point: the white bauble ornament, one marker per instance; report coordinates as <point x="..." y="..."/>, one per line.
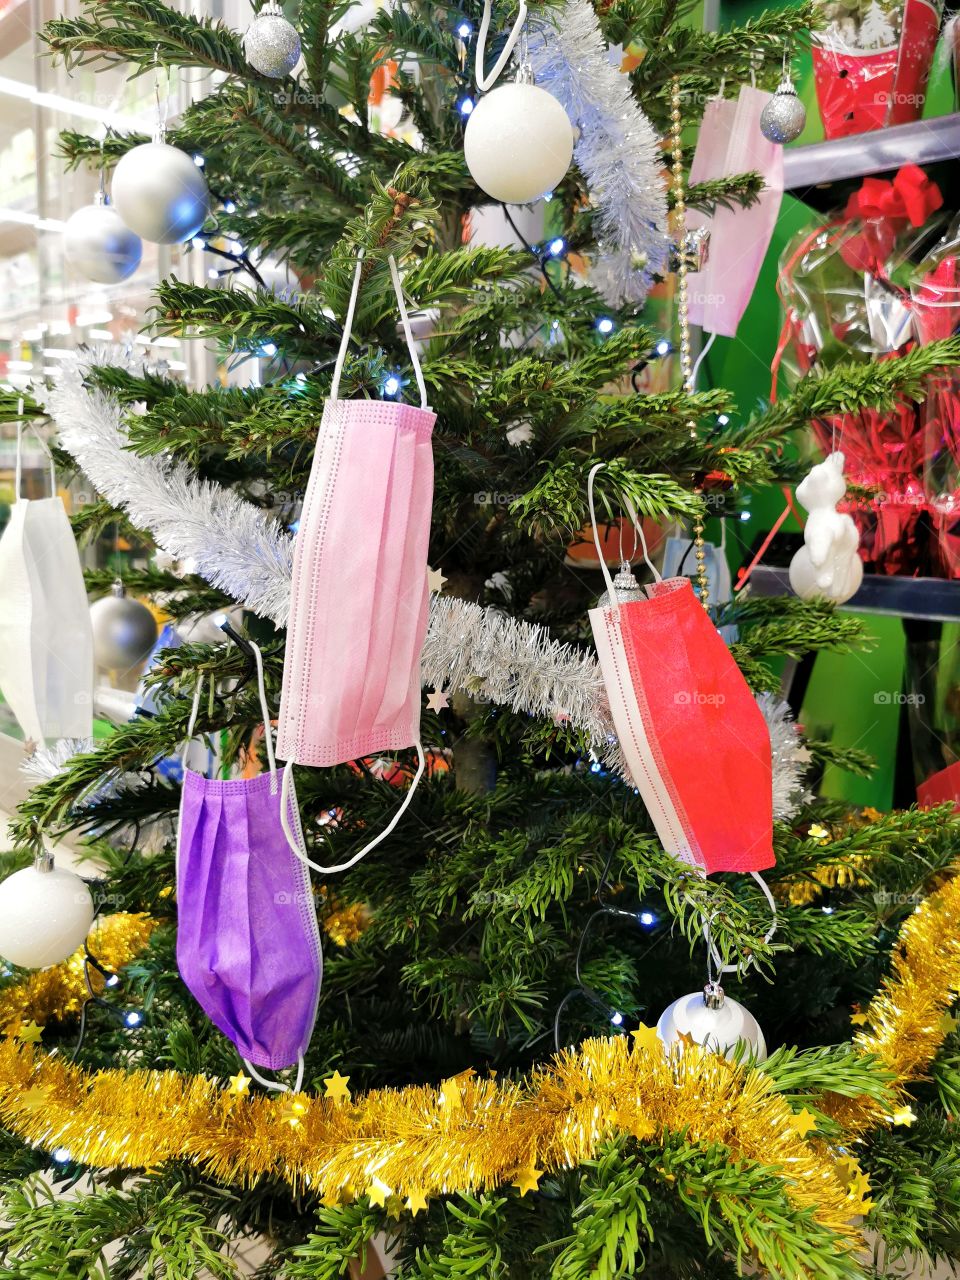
<point x="518" y="143"/>
<point x="271" y="43"/>
<point x="124" y="630"/>
<point x="784" y="117"/>
<point x="205" y="628"/>
<point x="828" y="565"/>
<point x="45" y="914"/>
<point x="714" y="1021"/>
<point x="160" y="193"/>
<point x="99" y="245"/>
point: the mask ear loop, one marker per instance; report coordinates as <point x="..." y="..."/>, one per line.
<point x="347" y="330"/>
<point x="296" y="841"/>
<point x="18" y="475"/>
<point x="276" y="1086"/>
<point x="484" y="80"/>
<point x="714" y="958"/>
<point x="638" y="529"/>
<point x="265" y="709"/>
<point x="191" y="723"/>
<point x="405" y="321"/>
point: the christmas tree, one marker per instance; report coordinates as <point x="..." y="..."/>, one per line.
<point x="483" y="1088"/>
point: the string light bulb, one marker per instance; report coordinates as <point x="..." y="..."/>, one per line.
<point x="605" y="325"/>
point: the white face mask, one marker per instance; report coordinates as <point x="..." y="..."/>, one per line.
<point x="46" y="641"/>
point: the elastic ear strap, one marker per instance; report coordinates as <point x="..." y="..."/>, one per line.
<point x="487" y="81"/>
<point x="405" y="321"/>
<point x="596" y="538"/>
<point x="767" y="937"/>
<point x="295" y="843"/>
<point x="276" y="1085"/>
<point x="638" y="526"/>
<point x="193" y="719"/>
<point x="265" y="709"/>
<point x="18" y="477"/>
<point x="347" y="329"/>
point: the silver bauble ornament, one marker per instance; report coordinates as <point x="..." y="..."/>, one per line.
<point x="45" y="914"/>
<point x="518" y="143"/>
<point x="160" y="193"/>
<point x="714" y="1021"/>
<point x="271" y="43"/>
<point x="124" y="630"/>
<point x="784" y="116"/>
<point x="625" y="588"/>
<point x="99" y="245"/>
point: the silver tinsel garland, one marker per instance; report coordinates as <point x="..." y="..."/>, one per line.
<point x="617" y="151"/>
<point x="468" y="648"/>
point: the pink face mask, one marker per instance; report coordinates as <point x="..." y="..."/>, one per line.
<point x="730" y="142"/>
<point x="358" y="609"/>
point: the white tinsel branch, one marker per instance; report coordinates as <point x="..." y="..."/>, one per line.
<point x="236" y="547"/>
<point x="480" y="651"/>
<point x="618" y="151"/>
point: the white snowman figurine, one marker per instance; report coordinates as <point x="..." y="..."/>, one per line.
<point x="827" y="565"/>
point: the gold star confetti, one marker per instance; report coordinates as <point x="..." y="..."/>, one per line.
<point x="948" y="1024"/>
<point x="379" y="1194"/>
<point x="687" y="1040"/>
<point x="335" y="1087"/>
<point x="416" y="1201"/>
<point x="847" y="1169"/>
<point x="817" y="831"/>
<point x="803" y="1122"/>
<point x="294" y="1112"/>
<point x="29" y="1033"/>
<point x="646" y="1038"/>
<point x="35" y="1099"/>
<point x="859" y="1187"/>
<point x="643" y="1128"/>
<point x="528" y="1179"/>
<point x="239" y="1084"/>
<point x="859" y="1019"/>
<point x="394" y="1207"/>
<point x="802" y="755"/>
<point x="435" y="579"/>
<point x="905" y="1116"/>
<point x="437" y="700"/>
<point x="450" y="1096"/>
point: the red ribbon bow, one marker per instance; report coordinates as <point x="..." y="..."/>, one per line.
<point x="885" y="207"/>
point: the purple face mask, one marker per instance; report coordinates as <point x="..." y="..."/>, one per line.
<point x="248" y="943"/>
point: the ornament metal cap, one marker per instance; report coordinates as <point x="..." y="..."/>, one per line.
<point x="713" y="996"/>
<point x="117" y="588"/>
<point x="43" y="861"/>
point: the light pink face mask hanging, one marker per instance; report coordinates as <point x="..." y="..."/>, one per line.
<point x="358" y="610"/>
<point x="730" y="142"/>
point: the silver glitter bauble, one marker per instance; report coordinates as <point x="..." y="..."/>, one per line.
<point x="714" y="1021"/>
<point x="160" y="193"/>
<point x="271" y="43"/>
<point x="625" y="588"/>
<point x="99" y="245"/>
<point x="784" y="116"/>
<point x="124" y="630"/>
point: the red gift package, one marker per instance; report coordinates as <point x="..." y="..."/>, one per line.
<point x="871" y="63"/>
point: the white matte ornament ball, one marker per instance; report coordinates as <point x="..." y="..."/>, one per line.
<point x="271" y="43"/>
<point x="44" y="916"/>
<point x="714" y="1021"/>
<point x="160" y="193"/>
<point x="124" y="630"/>
<point x="784" y="116"/>
<point x="100" y="245"/>
<point x="518" y="143"/>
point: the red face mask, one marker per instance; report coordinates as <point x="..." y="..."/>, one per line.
<point x="694" y="739"/>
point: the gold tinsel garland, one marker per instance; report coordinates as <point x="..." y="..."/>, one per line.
<point x="471" y="1133"/>
<point x="58" y="992"/>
